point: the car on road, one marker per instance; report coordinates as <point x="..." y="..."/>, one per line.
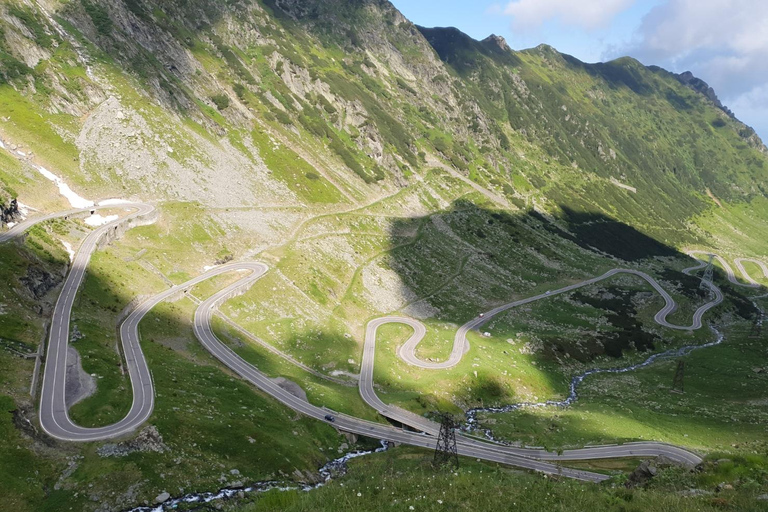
<point x="330" y="418"/>
<point x="482" y="315"/>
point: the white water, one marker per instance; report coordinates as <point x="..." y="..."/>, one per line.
<point x="327" y="472"/>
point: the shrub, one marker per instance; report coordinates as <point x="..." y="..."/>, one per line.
<point x="283" y="117"/>
<point x="220" y="100"/>
<point x="240" y="91"/>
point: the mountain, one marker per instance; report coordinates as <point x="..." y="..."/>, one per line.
<point x="378" y="167"/>
<point x="378" y="89"/>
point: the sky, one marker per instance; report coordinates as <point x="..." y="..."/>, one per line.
<point x="723" y="42"/>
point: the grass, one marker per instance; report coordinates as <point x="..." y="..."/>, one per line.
<point x="196" y="399"/>
<point x="104" y="294"/>
<point x="719" y="410"/>
<point x="39" y="130"/>
<point x="294" y="171"/>
<point x="403" y="479"/>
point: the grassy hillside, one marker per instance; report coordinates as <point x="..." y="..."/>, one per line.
<point x="377" y="167"/>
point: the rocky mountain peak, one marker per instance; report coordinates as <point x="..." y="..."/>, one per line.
<point x="689" y="80"/>
<point x="497" y="41"/>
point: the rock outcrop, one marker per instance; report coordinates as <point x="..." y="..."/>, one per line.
<point x="148" y="440"/>
<point x="39" y="281"/>
<point x="9" y="213"/>
<point x="697" y="84"/>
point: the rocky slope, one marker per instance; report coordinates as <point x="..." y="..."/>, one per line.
<point x="182" y="100"/>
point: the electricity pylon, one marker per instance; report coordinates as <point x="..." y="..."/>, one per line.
<point x="445" y="451"/>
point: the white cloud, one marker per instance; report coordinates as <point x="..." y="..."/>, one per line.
<point x="586" y="14"/>
<point x="752" y="108"/>
<point x="725" y="42"/>
<point x="757" y="97"/>
<point x="679" y="27"/>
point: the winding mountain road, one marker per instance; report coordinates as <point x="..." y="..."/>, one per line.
<point x="54" y="417"/>
<point x="56" y="422"/>
<point x="407" y="352"/>
<point x="750" y="282"/>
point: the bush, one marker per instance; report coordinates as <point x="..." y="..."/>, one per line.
<point x="11" y="68"/>
<point x="26" y="15"/>
<point x="330" y="109"/>
<point x="137" y="8"/>
<point x="283" y="117"/>
<point x="240" y="91"/>
<point x="220" y="100"/>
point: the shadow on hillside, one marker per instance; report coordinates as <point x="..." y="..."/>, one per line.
<point x="512" y="255"/>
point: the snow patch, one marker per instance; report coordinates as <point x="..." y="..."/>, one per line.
<point x="69" y="249"/>
<point x="75" y="200"/>
<point x="24" y="209"/>
<point x="96" y="220"/>
<point x="108" y="202"/>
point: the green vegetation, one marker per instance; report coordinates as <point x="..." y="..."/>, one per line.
<point x="99" y="16"/>
<point x="719" y="410"/>
<point x="220" y="100"/>
<point x="404" y="478"/>
<point x="373" y="178"/>
<point x="195" y="400"/>
<point x="294" y="171"/>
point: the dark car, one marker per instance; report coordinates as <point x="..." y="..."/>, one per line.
<point x="330" y="418"/>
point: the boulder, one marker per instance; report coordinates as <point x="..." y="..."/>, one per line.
<point x="694" y="493"/>
<point x="642" y="474"/>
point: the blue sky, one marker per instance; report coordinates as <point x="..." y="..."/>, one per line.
<point x="723" y="42"/>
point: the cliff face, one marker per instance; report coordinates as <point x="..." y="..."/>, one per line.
<point x="188" y="99"/>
